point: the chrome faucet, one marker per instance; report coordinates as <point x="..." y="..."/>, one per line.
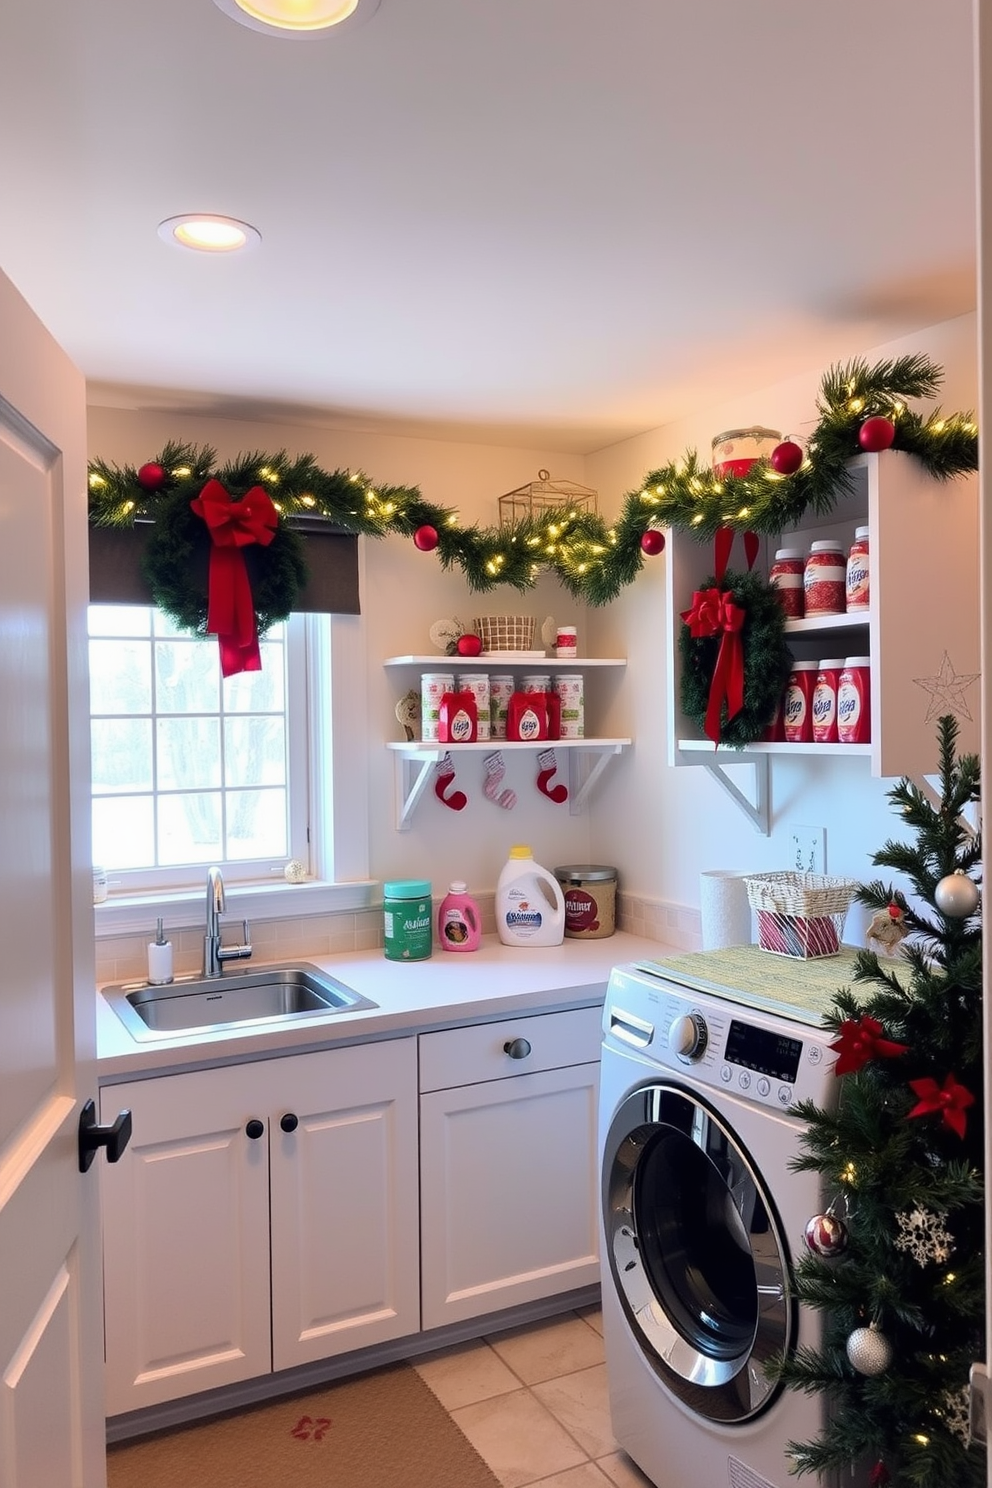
<point x="214" y="954"/>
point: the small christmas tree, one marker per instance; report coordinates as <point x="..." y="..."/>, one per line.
<point x="895" y="1263"/>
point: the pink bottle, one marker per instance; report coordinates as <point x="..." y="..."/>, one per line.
<point x="459" y="924"/>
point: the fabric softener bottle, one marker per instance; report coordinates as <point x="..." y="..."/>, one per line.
<point x="459" y="924"/>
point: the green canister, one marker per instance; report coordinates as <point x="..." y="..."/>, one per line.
<point x="408" y="919"/>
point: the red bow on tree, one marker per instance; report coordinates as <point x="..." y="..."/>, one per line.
<point x="858" y="1041"/>
<point x="234" y="525"/>
<point x="950" y="1099"/>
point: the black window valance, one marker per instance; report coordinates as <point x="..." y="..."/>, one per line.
<point x="331" y="556"/>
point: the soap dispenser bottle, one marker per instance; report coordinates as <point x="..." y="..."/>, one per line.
<point x="159" y="958"/>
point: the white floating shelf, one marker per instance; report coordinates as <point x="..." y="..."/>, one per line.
<point x="816" y="624"/>
<point x="463" y="662"/>
<point x="415" y="761"/>
<point x="728" y="755"/>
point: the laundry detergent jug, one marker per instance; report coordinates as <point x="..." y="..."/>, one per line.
<point x="530" y="905"/>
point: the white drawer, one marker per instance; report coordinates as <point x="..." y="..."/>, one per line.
<point x="466" y="1056"/>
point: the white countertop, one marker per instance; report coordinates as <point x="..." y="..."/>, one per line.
<point x="447" y="989"/>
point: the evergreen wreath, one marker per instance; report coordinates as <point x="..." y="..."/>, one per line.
<point x="767" y="660"/>
<point x="176" y="566"/>
<point x="593" y="560"/>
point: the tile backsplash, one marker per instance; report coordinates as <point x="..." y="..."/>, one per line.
<point x="124" y="958"/>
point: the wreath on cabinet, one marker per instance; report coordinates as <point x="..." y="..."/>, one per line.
<point x="859" y="407"/>
<point x="735" y="661"/>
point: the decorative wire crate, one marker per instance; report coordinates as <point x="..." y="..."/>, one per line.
<point x="545" y="495"/>
<point x="505" y="632"/>
<point x="800" y="914"/>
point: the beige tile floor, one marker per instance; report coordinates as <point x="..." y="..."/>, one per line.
<point x="533" y="1403"/>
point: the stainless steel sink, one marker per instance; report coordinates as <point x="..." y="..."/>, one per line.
<point x="270" y="994"/>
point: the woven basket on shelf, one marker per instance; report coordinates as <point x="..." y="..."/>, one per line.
<point x="505" y="632"/>
<point x="800" y="914"/>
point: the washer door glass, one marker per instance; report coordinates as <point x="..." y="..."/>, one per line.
<point x="696" y="1252"/>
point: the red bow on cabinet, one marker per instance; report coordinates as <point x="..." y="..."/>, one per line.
<point x="233" y="525"/>
<point x="713" y="613"/>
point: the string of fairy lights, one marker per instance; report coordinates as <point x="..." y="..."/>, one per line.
<point x="860" y="407"/>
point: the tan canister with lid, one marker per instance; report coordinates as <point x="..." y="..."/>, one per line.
<point x="590" y="891"/>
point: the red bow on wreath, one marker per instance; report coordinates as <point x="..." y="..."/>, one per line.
<point x="233" y="525"/>
<point x="713" y="613"/>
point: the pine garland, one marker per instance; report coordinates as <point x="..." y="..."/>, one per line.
<point x="592" y="559"/>
<point x="879" y="1164"/>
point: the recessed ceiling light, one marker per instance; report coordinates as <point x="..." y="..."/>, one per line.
<point x="302" y="19"/>
<point x="208" y="233"/>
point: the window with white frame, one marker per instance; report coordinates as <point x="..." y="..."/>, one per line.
<point x="190" y="769"/>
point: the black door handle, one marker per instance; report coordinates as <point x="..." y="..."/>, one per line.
<point x="255" y="1129"/>
<point x="92" y="1136"/>
<point x="289" y="1122"/>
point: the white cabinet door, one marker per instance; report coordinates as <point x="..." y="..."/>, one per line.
<point x="345" y="1268"/>
<point x="186" y="1237"/>
<point x="508" y="1192"/>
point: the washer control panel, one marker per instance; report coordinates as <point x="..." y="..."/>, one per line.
<point x="758" y="1056"/>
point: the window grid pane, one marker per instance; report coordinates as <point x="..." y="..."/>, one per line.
<point x="216" y="749"/>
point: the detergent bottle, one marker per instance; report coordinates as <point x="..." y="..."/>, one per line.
<point x="530" y="905"/>
<point x="459" y="924"/>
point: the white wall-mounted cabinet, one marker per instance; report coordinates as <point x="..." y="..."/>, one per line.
<point x="304" y="1167"/>
<point x="508" y="1162"/>
<point x="415" y="759"/>
<point x="921" y="630"/>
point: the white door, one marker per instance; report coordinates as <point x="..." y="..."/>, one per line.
<point x="983" y="93"/>
<point x="51" y="1349"/>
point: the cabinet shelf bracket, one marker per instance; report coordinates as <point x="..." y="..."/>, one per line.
<point x="585" y="766"/>
<point x="757" y="809"/>
<point x="413" y="775"/>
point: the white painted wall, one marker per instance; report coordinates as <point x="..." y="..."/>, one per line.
<point x="658" y="825"/>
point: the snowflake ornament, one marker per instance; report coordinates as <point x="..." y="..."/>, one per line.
<point x="924" y="1235"/>
<point x="955" y="1412"/>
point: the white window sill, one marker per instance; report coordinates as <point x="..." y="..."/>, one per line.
<point x="182" y="910"/>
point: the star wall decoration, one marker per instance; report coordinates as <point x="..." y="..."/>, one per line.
<point x="947" y="690"/>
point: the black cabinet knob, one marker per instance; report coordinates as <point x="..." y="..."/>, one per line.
<point x="517" y="1048"/>
<point x="289" y="1122"/>
<point x="92" y="1137"/>
<point x="255" y="1129"/>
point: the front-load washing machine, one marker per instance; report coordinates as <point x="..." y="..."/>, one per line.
<point x="702" y="1216"/>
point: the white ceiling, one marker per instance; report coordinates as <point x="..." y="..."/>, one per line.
<point x="556" y="222"/>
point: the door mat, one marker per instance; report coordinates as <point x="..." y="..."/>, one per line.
<point x="385" y="1429"/>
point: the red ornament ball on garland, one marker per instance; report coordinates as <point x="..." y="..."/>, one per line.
<point x="469" y="645"/>
<point x="151" y="477"/>
<point x="786" y="457"/>
<point x="425" y="538"/>
<point x="652" y="541"/>
<point x="876" y="434"/>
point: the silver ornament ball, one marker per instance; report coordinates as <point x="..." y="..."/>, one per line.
<point x="956" y="895"/>
<point x="825" y="1235"/>
<point x="295" y="872"/>
<point x="869" y="1351"/>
